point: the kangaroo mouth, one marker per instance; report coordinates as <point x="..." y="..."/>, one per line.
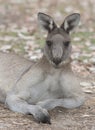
<point x="62" y="63"/>
<point x="55" y="65"/>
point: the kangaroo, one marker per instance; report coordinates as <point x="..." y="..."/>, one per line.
<point x="34" y="88"/>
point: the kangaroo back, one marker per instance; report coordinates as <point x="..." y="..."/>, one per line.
<point x="11" y="68"/>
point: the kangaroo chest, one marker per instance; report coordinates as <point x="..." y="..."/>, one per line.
<point x="49" y="88"/>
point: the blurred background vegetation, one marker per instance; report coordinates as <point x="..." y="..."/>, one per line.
<point x="20" y="33"/>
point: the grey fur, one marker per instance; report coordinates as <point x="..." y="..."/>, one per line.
<point x="35" y="88"/>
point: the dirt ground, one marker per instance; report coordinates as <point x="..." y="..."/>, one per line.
<point x="82" y="118"/>
<point x="19" y="33"/>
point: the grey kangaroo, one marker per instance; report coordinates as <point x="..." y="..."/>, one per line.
<point x="35" y="88"/>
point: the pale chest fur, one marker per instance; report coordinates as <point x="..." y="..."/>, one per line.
<point x="49" y="88"/>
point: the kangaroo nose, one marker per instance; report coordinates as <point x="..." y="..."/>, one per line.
<point x="57" y="61"/>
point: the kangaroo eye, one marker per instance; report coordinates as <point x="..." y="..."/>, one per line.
<point x="49" y="43"/>
<point x="66" y="44"/>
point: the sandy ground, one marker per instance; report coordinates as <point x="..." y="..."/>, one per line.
<point x="82" y="118"/>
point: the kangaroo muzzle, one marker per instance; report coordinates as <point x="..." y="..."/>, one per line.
<point x="57" y="61"/>
<point x="57" y="55"/>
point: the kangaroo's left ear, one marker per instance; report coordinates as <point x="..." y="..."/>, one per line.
<point x="46" y="22"/>
<point x="71" y="22"/>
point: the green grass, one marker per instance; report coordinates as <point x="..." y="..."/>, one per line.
<point x="83" y="35"/>
<point x="82" y="58"/>
<point x="93" y="41"/>
<point x="40" y="40"/>
<point x="7" y="33"/>
<point x="19" y="44"/>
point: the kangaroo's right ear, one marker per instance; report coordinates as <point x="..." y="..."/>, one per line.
<point x="46" y="22"/>
<point x="71" y="22"/>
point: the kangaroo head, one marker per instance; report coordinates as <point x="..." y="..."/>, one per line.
<point x="58" y="43"/>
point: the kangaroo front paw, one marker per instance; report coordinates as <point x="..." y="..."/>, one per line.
<point x="42" y="116"/>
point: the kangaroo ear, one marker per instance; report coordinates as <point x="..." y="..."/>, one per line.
<point x="46" y="22"/>
<point x="71" y="22"/>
